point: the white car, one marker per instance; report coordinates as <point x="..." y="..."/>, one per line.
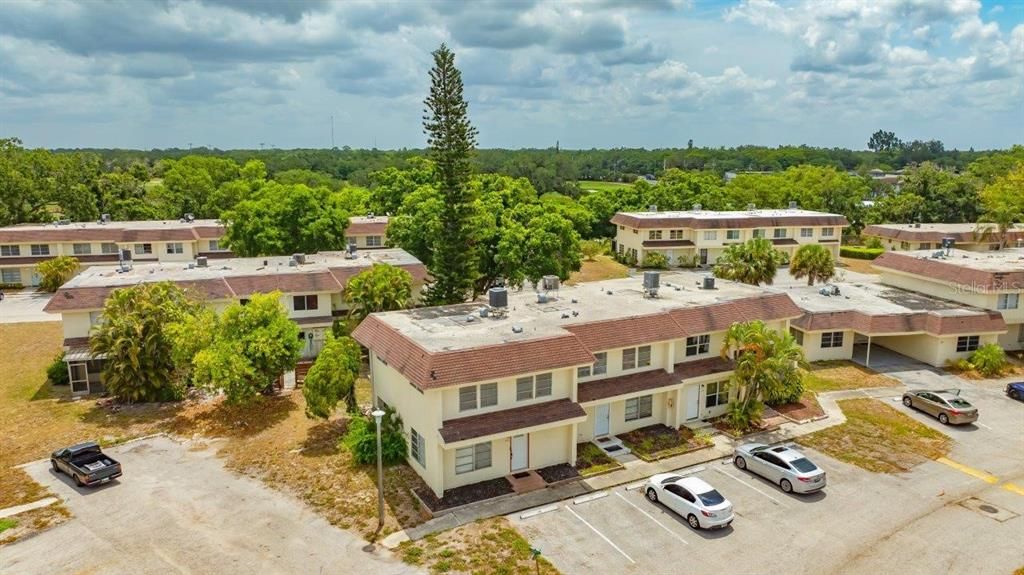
<point x="692" y="498"/>
<point x="783" y="466"/>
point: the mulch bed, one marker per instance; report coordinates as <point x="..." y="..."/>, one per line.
<point x="658" y="441"/>
<point x="464" y="495"/>
<point x="557" y="473"/>
<point x="721" y="424"/>
<point x="806" y="408"/>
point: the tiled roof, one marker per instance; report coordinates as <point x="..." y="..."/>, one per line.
<point x="881" y="324"/>
<point x="363" y="228"/>
<point x="929" y="234"/>
<point x="683" y="221"/>
<point x="285" y="282"/>
<point x="110" y="233"/>
<point x="314" y="320"/>
<point x="169" y="235"/>
<point x="67" y="299"/>
<point x="784" y="242"/>
<point x="636" y="330"/>
<point x="650" y="380"/>
<point x="463" y="428"/>
<point x="718" y="317"/>
<point x="433" y="370"/>
<point x="667" y="243"/>
<point x="949" y="271"/>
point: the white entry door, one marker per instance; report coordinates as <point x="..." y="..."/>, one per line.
<point x="520" y="452"/>
<point x="692" y="402"/>
<point x="602" y="420"/>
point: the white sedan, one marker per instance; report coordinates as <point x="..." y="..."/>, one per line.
<point x="692" y="498"/>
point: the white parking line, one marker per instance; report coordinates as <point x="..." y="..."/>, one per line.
<point x="982" y="425"/>
<point x="599" y="534"/>
<point x="734" y="478"/>
<point x="651" y="517"/>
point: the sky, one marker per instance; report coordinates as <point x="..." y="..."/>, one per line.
<point x="601" y="74"/>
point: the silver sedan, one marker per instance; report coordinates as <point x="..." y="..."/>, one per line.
<point x="784" y="466"/>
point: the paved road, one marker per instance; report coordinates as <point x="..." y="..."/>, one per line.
<point x="25" y="306"/>
<point x="179" y="511"/>
<point x="926" y="521"/>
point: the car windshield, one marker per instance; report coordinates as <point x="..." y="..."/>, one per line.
<point x="957" y="402"/>
<point x="804" y="465"/>
<point x="710" y="498"/>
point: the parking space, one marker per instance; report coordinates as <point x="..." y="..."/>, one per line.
<point x="851" y="526"/>
<point x="25" y="306"/>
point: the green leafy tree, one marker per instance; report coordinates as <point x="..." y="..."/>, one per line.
<point x="882" y="141"/>
<point x="55" y="271"/>
<point x="332" y="378"/>
<point x="753" y="262"/>
<point x="767" y="368"/>
<point x="189" y="335"/>
<point x="451" y="140"/>
<point x="283" y="219"/>
<point x="946" y="197"/>
<point x="383" y="287"/>
<point x="390" y="186"/>
<point x="591" y="249"/>
<point x="361" y="439"/>
<point x="546" y="245"/>
<point x="813" y="261"/>
<point x="253" y="346"/>
<point x="1003" y="202"/>
<point x="132" y="336"/>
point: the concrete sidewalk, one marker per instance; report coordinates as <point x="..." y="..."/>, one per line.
<point x="632" y="471"/>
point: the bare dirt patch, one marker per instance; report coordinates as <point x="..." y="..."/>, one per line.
<point x="487" y="547"/>
<point x="878" y="438"/>
<point x="807" y="407"/>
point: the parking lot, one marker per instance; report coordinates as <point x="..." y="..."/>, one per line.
<point x="178" y="510"/>
<point x="960" y="515"/>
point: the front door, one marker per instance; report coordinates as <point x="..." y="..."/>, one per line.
<point x="703" y="256"/>
<point x="520" y="452"/>
<point x="602" y="425"/>
<point x="692" y="402"/>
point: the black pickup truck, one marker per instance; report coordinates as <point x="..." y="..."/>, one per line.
<point x="86" y="464"/>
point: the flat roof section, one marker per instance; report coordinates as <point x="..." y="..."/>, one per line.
<point x="935" y="232"/>
<point x="1009" y="260"/>
<point x="446" y="328"/>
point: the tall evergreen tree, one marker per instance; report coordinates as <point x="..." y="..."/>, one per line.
<point x="451" y="139"/>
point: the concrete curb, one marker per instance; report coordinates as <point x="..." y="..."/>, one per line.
<point x="118" y="444"/>
<point x="44" y="502"/>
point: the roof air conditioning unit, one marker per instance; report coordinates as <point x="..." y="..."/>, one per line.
<point x="709" y="282"/>
<point x="201" y="261"/>
<point x="497" y="297"/>
<point x="697" y="207"/>
<point x="793" y="205"/>
<point x="190" y="218"/>
<point x="350" y="252"/>
<point x="652" y="208"/>
<point x="550" y="282"/>
<point x="292" y="263"/>
<point x="917" y="224"/>
<point x="105" y="218"/>
<point x="652" y="281"/>
<point x="751" y="207"/>
<point x="299" y="258"/>
<point x="542" y="297"/>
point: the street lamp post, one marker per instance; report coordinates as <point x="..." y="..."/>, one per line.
<point x="378" y="414"/>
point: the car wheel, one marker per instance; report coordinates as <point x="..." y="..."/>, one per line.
<point x="943" y="419"/>
<point x="693" y="521"/>
<point x="652" y="495"/>
<point x="78" y="481"/>
<point x="786" y="486"/>
<point x="739" y="462"/>
<point x="1015" y="395"/>
<point x="55" y="468"/>
<point x="908" y="402"/>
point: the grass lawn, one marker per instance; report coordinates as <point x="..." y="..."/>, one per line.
<point x="837" y="375"/>
<point x="599" y="186"/>
<point x="487" y="547"/>
<point x="857" y="265"/>
<point x="878" y="438"/>
<point x="591" y="460"/>
<point x="602" y="268"/>
<point x="6" y="524"/>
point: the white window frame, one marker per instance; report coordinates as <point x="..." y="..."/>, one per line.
<point x="175" y="248"/>
<point x="828" y="232"/>
<point x="654" y="234"/>
<point x="732" y="234"/>
<point x="417" y="448"/>
<point x="966" y="343"/>
<point x="716" y="394"/>
<point x="374" y="241"/>
<point x="10" y="276"/>
<point x="10" y="251"/>
<point x="475" y="457"/>
<point x="832" y="339"/>
<point x="806" y="232"/>
<point x="780" y="233"/>
<point x="757" y="233"/>
<point x="109" y="248"/>
<point x="601" y="365"/>
<point x="1008" y="301"/>
<point x="143" y="249"/>
<point x="305" y="302"/>
<point x="638" y="408"/>
<point x="676" y="234"/>
<point x="798" y="335"/>
<point x="467" y="398"/>
<point x="214" y="245"/>
<point x="710" y="235"/>
<point x="582" y="372"/>
<point x="698" y="344"/>
<point x="628" y="358"/>
<point x="81" y="249"/>
<point x="488" y="394"/>
<point x="39" y="249"/>
<point x="524" y="388"/>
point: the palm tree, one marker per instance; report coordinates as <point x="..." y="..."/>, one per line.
<point x="56" y="271"/>
<point x="994" y="225"/>
<point x="814" y="262"/>
<point x="767" y="368"/>
<point x="754" y="262"/>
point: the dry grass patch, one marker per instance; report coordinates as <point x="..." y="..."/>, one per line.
<point x="858" y="265"/>
<point x="486" y="547"/>
<point x="602" y="268"/>
<point x="838" y="375"/>
<point x="878" y="438"/>
<point x="29" y="522"/>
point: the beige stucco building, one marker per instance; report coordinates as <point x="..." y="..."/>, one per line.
<point x="367" y="232"/>
<point x="485" y="397"/>
<point x="987" y="280"/>
<point x="702" y="235"/>
<point x="967" y="237"/>
<point x="24" y="246"/>
<point x="311" y="291"/>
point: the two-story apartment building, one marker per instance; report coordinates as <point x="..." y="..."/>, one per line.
<point x="24" y="246"/>
<point x="968" y="237"/>
<point x="701" y="236"/>
<point x="991" y="281"/>
<point x="367" y="232"/>
<point x="311" y="289"/>
<point x="486" y="391"/>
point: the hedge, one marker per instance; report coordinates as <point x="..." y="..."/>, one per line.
<point x="12" y="286"/>
<point x="860" y="253"/>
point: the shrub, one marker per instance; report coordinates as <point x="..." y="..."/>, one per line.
<point x="743" y="415"/>
<point x="592" y="248"/>
<point x="959" y="365"/>
<point x="873" y="243"/>
<point x="860" y="253"/>
<point x="655" y="260"/>
<point x="989" y="360"/>
<point x="626" y="259"/>
<point x="57" y="372"/>
<point x="56" y="271"/>
<point x="686" y="261"/>
<point x="11" y="285"/>
<point x="361" y="439"/>
<point x="790" y="390"/>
